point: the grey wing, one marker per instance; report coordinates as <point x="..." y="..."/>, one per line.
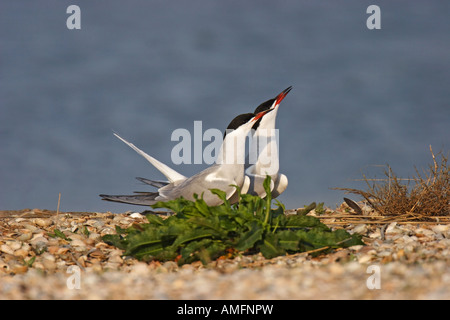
<point x="154" y="183"/>
<point x="143" y="199"/>
<point x="200" y="183"/>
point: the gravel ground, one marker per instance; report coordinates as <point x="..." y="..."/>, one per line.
<point x="399" y="261"/>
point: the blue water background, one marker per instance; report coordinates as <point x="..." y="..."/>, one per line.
<point x="360" y="97"/>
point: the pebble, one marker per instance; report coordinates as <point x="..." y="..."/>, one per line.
<point x="25" y="235"/>
<point x="31" y="227"/>
<point x="95" y="223"/>
<point x="365" y="258"/>
<point x="140" y="268"/>
<point x="115" y="259"/>
<point x="18" y="268"/>
<point x="137" y="215"/>
<point x="23" y="252"/>
<point x="392" y="228"/>
<point x="42" y="222"/>
<point x="6" y="249"/>
<point x="444" y="229"/>
<point x="361" y="229"/>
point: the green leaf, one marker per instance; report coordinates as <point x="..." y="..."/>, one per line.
<point x="298" y="221"/>
<point x="176" y="205"/>
<point x="289" y="240"/>
<point x="306" y="209"/>
<point x="202" y="207"/>
<point x="192" y="235"/>
<point x="320" y="209"/>
<point x="222" y="196"/>
<point x="204" y="250"/>
<point x="120" y="230"/>
<point x="266" y="185"/>
<point x="155" y="219"/>
<point x="249" y="238"/>
<point x="30" y="262"/>
<point x="86" y="231"/>
<point x="269" y="247"/>
<point x="115" y="240"/>
<point x="58" y="233"/>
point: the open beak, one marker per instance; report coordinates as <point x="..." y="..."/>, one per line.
<point x="281" y="96"/>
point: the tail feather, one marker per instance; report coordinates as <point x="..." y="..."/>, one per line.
<point x="143" y="199"/>
<point x="154" y="183"/>
<point x="170" y="174"/>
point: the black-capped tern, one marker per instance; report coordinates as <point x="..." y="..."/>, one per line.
<point x="226" y="172"/>
<point x="265" y="146"/>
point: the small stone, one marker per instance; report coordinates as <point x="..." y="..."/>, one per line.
<point x="18" y="269"/>
<point x="40" y="246"/>
<point x="82" y="261"/>
<point x="95" y="223"/>
<point x="53" y="249"/>
<point x="21" y="253"/>
<point x="140" y="268"/>
<point x="38" y="237"/>
<point x="14" y="245"/>
<point x="6" y="249"/>
<point x="49" y="265"/>
<point x="115" y="259"/>
<point x="375" y="234"/>
<point x="25" y="235"/>
<point x="356" y="248"/>
<point x="94" y="236"/>
<point x="111" y="266"/>
<point x="31" y="227"/>
<point x="391" y="228"/>
<point x="136" y="215"/>
<point x="62" y="251"/>
<point x="336" y="269"/>
<point x="399" y="254"/>
<point x="423" y="232"/>
<point x="48" y="256"/>
<point x="97" y="254"/>
<point x="365" y="258"/>
<point x="441" y="228"/>
<point x="170" y="265"/>
<point x="108" y="230"/>
<point x="42" y="222"/>
<point x="361" y="229"/>
<point x="4" y="267"/>
<point x="96" y="267"/>
<point x="77" y="243"/>
<point x="384" y="254"/>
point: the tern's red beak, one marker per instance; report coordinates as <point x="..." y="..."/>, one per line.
<point x="281" y="96"/>
<point x="260" y="115"/>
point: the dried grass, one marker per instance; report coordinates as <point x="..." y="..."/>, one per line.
<point x="424" y="197"/>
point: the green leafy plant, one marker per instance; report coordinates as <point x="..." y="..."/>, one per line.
<point x="58" y="234"/>
<point x="200" y="232"/>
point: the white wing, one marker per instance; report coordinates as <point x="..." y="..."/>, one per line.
<point x="170" y="174"/>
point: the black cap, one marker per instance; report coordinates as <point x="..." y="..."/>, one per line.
<point x="239" y="121"/>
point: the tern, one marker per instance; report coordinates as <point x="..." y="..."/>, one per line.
<point x="264" y="147"/>
<point x="227" y="171"/>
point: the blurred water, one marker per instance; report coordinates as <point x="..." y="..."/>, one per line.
<point x="146" y="68"/>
